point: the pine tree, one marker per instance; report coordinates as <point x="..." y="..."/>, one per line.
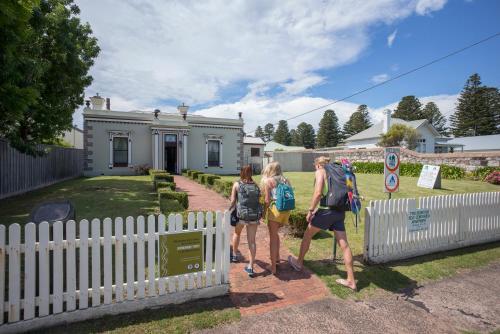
<point x="306" y="135"/>
<point x="434" y="116"/>
<point x="409" y="109"/>
<point x="268" y="132"/>
<point x="329" y="132"/>
<point x="259" y="133"/>
<point x="295" y="139"/>
<point x="282" y="135"/>
<point x="359" y="121"/>
<point x="478" y="110"/>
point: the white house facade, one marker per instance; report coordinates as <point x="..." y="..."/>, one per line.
<point x="117" y="142"/>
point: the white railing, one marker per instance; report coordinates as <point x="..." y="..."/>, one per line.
<point x="455" y="221"/>
<point x="79" y="273"/>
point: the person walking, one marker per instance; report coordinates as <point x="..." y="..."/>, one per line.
<point x="272" y="177"/>
<point x="324" y="217"/>
<point x="245" y="197"/>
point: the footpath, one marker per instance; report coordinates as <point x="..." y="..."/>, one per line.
<point x="265" y="292"/>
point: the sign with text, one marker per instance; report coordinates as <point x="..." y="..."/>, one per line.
<point x="430" y="177"/>
<point x="180" y="253"/>
<point x="418" y="220"/>
<point x="391" y="169"/>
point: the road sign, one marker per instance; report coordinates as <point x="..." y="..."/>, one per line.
<point x="180" y="253"/>
<point x="391" y="169"/>
<point x="430" y="177"/>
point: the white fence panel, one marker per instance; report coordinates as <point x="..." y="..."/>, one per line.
<point x="455" y="221"/>
<point x="62" y="251"/>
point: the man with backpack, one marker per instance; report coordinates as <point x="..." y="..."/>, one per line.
<point x="327" y="212"/>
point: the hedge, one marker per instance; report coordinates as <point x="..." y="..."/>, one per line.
<point x="211" y="179"/>
<point x="482" y="172"/>
<point x="194" y="174"/>
<point x="180" y="196"/>
<point x="163" y="184"/>
<point x="408" y="169"/>
<point x="168" y="205"/>
<point x="163" y="177"/>
<point x="223" y="187"/>
<point x="156" y="171"/>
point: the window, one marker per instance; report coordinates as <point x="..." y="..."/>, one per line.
<point x="213" y="153"/>
<point x="120" y="151"/>
<point x="255" y="152"/>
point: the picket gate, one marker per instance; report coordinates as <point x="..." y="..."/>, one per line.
<point x="456" y="221"/>
<point x="64" y="272"/>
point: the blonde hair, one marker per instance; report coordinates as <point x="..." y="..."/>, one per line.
<point x="322" y="160"/>
<point x="272" y="169"/>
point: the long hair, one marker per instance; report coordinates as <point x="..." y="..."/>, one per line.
<point x="322" y="160"/>
<point x="246" y="173"/>
<point x="271" y="170"/>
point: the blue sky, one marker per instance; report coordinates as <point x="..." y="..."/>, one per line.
<point x="272" y="59"/>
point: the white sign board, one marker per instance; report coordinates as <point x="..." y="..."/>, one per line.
<point x="418" y="220"/>
<point x="391" y="169"/>
<point x="430" y="177"/>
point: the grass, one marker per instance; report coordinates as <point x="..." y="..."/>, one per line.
<point x="97" y="197"/>
<point x="185" y="318"/>
<point x="393" y="276"/>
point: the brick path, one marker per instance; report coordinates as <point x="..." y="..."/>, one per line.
<point x="264" y="292"/>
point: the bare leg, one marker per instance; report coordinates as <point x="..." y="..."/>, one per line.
<point x="236" y="237"/>
<point x="274" y="243"/>
<point x="346" y="251"/>
<point x="252" y="246"/>
<point x="306" y="242"/>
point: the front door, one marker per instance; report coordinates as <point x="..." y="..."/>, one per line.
<point x="170" y="153"/>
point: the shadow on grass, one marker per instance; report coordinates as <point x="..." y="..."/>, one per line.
<point x="198" y="315"/>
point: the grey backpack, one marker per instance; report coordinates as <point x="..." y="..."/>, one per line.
<point x="337" y="197"/>
<point x="248" y="206"/>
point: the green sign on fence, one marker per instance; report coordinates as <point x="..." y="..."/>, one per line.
<point x="180" y="253"/>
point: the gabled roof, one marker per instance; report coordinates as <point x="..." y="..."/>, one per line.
<point x="478" y="143"/>
<point x="375" y="130"/>
<point x="273" y="146"/>
<point x="253" y="140"/>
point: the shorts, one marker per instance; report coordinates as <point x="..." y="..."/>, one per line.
<point x="327" y="219"/>
<point x="277" y="216"/>
<point x="246" y="222"/>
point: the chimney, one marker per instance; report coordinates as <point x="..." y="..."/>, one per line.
<point x="108" y="103"/>
<point x="156" y="112"/>
<point x="240" y="115"/>
<point x="97" y="102"/>
<point x="183" y="109"/>
<point x="387" y="121"/>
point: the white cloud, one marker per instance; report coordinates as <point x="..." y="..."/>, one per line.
<point x="379" y="78"/>
<point x="425" y="7"/>
<point x="158" y="51"/>
<point x="391" y="38"/>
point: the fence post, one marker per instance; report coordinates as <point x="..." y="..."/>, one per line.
<point x="366" y="243"/>
<point x="225" y="254"/>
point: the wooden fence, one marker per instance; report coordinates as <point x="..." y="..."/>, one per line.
<point x="88" y="270"/>
<point x="455" y="221"/>
<point x="20" y="172"/>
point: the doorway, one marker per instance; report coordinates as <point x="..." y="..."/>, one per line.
<point x="170" y="154"/>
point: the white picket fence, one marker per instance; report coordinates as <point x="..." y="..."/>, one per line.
<point x="79" y="273"/>
<point x="455" y="221"/>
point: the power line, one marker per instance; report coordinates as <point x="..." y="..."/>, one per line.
<point x="396" y="77"/>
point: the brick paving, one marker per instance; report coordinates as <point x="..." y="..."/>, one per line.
<point x="264" y="292"/>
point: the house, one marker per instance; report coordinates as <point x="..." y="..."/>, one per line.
<point x="476" y="143"/>
<point x="253" y="152"/>
<point x="116" y="142"/>
<point x="272" y="146"/>
<point x="74" y="137"/>
<point x="429" y="141"/>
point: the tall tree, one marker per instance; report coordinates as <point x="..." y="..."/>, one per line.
<point x="268" y="132"/>
<point x="45" y="56"/>
<point x="359" y="121"/>
<point x="409" y="109"/>
<point x="329" y="131"/>
<point x="282" y="135"/>
<point x="399" y="135"/>
<point x="434" y="116"/>
<point x="478" y="110"/>
<point x="306" y="135"/>
<point x="295" y="139"/>
<point x="259" y="133"/>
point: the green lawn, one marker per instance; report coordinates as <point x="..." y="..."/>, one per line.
<point x="393" y="276"/>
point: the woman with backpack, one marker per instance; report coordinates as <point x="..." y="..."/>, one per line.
<point x="276" y="210"/>
<point x="245" y="197"/>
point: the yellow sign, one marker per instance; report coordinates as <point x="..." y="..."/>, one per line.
<point x="180" y="253"/>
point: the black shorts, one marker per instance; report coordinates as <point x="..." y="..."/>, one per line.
<point x="327" y="219"/>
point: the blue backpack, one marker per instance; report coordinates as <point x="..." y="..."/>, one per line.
<point x="285" y="199"/>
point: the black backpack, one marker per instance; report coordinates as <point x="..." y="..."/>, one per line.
<point x="337" y="197"/>
<point x="248" y="206"/>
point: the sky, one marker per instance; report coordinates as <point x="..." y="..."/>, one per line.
<point x="273" y="60"/>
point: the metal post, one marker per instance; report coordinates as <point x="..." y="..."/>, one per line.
<point x="334" y="248"/>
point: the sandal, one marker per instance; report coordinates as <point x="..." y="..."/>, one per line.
<point x="294" y="264"/>
<point x="249" y="271"/>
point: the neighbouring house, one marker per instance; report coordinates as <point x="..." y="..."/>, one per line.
<point x="272" y="146"/>
<point x="253" y="152"/>
<point x="116" y="142"/>
<point x="429" y="141"/>
<point x="476" y="143"/>
<point x="74" y="137"/>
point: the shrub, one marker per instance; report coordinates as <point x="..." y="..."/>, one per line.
<point x="223" y="187"/>
<point x="163" y="177"/>
<point x="369" y="167"/>
<point x="194" y="174"/>
<point x="179" y="196"/>
<point x="168" y="205"/>
<point x="211" y="178"/>
<point x="452" y="172"/>
<point x="184" y="170"/>
<point x="156" y="171"/>
<point x="410" y="169"/>
<point x="199" y="177"/>
<point x="493" y="177"/>
<point x="297" y="223"/>
<point x="482" y="172"/>
<point x="168" y="185"/>
<point x="142" y="169"/>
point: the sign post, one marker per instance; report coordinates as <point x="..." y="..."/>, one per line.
<point x="180" y="253"/>
<point x="391" y="169"/>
